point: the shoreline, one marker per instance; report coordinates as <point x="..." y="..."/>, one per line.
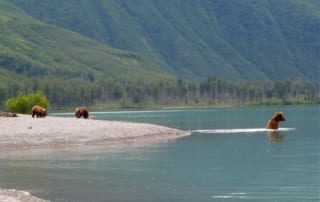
<point x="25" y="132"/>
<point x="97" y="109"/>
<point x="14" y="195"/>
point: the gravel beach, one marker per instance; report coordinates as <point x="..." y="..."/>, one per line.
<point x="12" y="195"/>
<point x="24" y="132"/>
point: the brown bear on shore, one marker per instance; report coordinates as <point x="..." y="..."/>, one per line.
<point x="81" y="111"/>
<point x="274" y="122"/>
<point x="38" y="111"/>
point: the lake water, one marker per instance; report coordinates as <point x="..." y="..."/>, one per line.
<point x="228" y="157"/>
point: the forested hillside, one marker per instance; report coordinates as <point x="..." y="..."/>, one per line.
<point x="247" y="39"/>
<point x="31" y="48"/>
<point x="153" y="53"/>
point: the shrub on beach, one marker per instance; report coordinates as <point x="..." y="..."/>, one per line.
<point x="23" y="103"/>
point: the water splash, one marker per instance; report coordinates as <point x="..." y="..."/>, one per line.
<point x="240" y="195"/>
<point x="242" y="130"/>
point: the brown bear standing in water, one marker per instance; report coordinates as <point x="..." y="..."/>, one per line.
<point x="81" y="111"/>
<point x="38" y="111"/>
<point x="274" y="122"/>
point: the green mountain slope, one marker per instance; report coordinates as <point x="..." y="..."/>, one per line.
<point x="247" y="39"/>
<point x="30" y="48"/>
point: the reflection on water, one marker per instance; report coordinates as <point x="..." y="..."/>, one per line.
<point x="227" y="158"/>
<point x="275" y="136"/>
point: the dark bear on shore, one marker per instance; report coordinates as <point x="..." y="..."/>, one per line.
<point x="38" y="111"/>
<point x="81" y="111"/>
<point x="274" y="122"/>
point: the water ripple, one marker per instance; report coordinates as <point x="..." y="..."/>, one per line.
<point x="241" y="130"/>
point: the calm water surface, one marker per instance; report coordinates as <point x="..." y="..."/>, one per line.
<point x="228" y="157"/>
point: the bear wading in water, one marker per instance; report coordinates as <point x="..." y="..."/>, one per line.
<point x="81" y="111"/>
<point x="38" y="111"/>
<point x="274" y="122"/>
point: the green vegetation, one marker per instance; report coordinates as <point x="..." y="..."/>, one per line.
<point x="193" y="39"/>
<point x="213" y="91"/>
<point x="120" y="54"/>
<point x="24" y="103"/>
<point x="30" y="48"/>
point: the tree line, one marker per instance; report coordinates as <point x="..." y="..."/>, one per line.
<point x="124" y="93"/>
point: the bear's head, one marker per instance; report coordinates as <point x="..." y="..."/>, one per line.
<point x="78" y="112"/>
<point x="278" y="116"/>
<point x="44" y="112"/>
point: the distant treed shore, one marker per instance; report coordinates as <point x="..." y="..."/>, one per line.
<point x="63" y="92"/>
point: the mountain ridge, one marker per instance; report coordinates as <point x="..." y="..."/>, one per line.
<point x="252" y="40"/>
<point x="29" y="47"/>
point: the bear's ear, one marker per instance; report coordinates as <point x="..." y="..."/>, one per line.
<point x="280" y="116"/>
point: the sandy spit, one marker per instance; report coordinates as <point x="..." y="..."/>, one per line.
<point x="25" y="132"/>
